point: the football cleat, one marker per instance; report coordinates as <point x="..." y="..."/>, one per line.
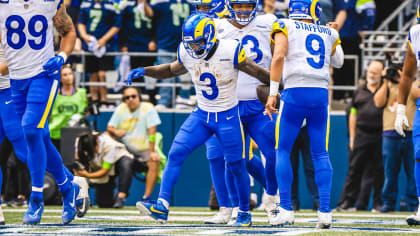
<point x="1" y="217"/>
<point x="82" y="200"/>
<point x="270" y="205"/>
<point x="324" y="220"/>
<point x="33" y="215"/>
<point x="69" y="203"/>
<point x="154" y="209"/>
<point x="243" y="220"/>
<point x="234" y="216"/>
<point x="413" y="220"/>
<point x="283" y="217"/>
<point x="222" y="217"/>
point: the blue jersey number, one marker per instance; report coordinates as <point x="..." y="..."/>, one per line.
<point x="255" y="49"/>
<point x="316" y="52"/>
<point x="37" y="28"/>
<point x="212" y="85"/>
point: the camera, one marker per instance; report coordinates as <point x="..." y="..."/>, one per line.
<point x="392" y="72"/>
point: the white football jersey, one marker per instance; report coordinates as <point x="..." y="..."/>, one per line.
<point x="255" y="39"/>
<point x="414" y="40"/>
<point x="215" y="79"/>
<point x="27" y="34"/>
<point x="4" y="80"/>
<point x="307" y="62"/>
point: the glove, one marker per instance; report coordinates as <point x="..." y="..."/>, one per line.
<point x="135" y="74"/>
<point x="401" y="120"/>
<point x="54" y="65"/>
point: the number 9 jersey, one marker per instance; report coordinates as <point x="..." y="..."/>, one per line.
<point x="26" y="35"/>
<point x="307" y="62"/>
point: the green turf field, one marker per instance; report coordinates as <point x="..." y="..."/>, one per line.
<point x="189" y="221"/>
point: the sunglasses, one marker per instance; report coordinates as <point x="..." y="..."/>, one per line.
<point x="125" y="98"/>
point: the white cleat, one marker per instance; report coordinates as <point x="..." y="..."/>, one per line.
<point x="324" y="220"/>
<point x="283" y="217"/>
<point x="234" y="216"/>
<point x="1" y="217"/>
<point x="413" y="220"/>
<point x="82" y="199"/>
<point x="222" y="217"/>
<point x="270" y="206"/>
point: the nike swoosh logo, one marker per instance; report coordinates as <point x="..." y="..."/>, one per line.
<point x="230" y="117"/>
<point x="245" y="225"/>
<point x="72" y="204"/>
<point x="156" y="211"/>
<point x="9" y="102"/>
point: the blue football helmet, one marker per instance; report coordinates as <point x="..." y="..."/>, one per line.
<point x="242" y="17"/>
<point x="418" y="13"/>
<point x="305" y="10"/>
<point x="215" y="8"/>
<point x="198" y="35"/>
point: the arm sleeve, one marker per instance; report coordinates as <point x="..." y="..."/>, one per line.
<point x="178" y="54"/>
<point x="240" y="55"/>
<point x="337" y="60"/>
<point x="83" y="15"/>
<point x="278" y="26"/>
<point x="117" y="19"/>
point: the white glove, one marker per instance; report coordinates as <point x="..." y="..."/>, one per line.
<point x="401" y="120"/>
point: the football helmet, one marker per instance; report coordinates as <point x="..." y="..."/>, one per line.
<point x="213" y="8"/>
<point x="242" y="17"/>
<point x="198" y="35"/>
<point x="305" y="10"/>
<point x="418" y="13"/>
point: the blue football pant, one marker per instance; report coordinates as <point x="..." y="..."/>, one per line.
<point x="34" y="99"/>
<point x="288" y="126"/>
<point x="196" y="130"/>
<point x="416" y="142"/>
<point x="223" y="180"/>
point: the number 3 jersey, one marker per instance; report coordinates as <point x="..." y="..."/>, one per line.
<point x="26" y="34"/>
<point x="215" y="79"/>
<point x="255" y="39"/>
<point x="307" y="62"/>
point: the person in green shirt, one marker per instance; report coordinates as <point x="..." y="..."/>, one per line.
<point x="70" y="104"/>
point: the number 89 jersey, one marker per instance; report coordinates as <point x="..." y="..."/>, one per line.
<point x="26" y="34"/>
<point x="307" y="62"/>
<point x="215" y="79"/>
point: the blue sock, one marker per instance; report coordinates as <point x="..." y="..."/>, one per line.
<point x="231" y="188"/>
<point x="217" y="170"/>
<point x="37" y="159"/>
<point x="323" y="179"/>
<point x="55" y="165"/>
<point x="417" y="176"/>
<point x="240" y="174"/>
<point x="255" y="168"/>
<point x="270" y="173"/>
<point x="284" y="175"/>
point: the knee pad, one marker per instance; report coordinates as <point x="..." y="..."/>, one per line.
<point x="13" y="131"/>
<point x="177" y="154"/>
<point x="237" y="166"/>
<point x="32" y="133"/>
<point x="322" y="164"/>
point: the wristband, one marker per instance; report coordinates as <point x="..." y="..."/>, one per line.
<point x="274" y="88"/>
<point x="63" y="55"/>
<point x="152" y="137"/>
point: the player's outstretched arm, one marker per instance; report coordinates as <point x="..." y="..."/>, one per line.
<point x="251" y="68"/>
<point x="65" y="28"/>
<point x="163" y="71"/>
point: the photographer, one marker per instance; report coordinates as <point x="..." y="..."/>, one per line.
<point x="101" y="160"/>
<point x="396" y="149"/>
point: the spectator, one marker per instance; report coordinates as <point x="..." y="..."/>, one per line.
<point x="302" y="144"/>
<point x="169" y="17"/>
<point x="395" y="148"/>
<point x="365" y="158"/>
<point x="277" y="7"/>
<point x="350" y="35"/>
<point x="73" y="9"/>
<point x="137" y="35"/>
<point x="134" y="123"/>
<point x="104" y="159"/>
<point x="69" y="107"/>
<point x="333" y="10"/>
<point x="99" y="21"/>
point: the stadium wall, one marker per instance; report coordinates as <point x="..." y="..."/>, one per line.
<point x="193" y="186"/>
